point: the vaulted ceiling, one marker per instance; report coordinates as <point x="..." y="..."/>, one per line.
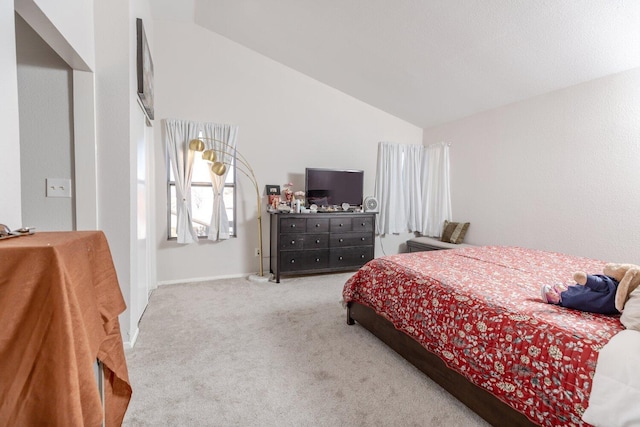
<point x="431" y="61"/>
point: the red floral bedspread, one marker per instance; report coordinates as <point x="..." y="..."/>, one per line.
<point x="480" y="310"/>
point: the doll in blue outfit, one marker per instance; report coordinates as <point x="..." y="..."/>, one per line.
<point x="593" y="293"/>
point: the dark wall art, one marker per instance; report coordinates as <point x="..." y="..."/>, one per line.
<point x="145" y="70"/>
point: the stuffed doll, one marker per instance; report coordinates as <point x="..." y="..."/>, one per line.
<point x="592" y="293"/>
<point x="630" y="317"/>
<point x="617" y="290"/>
<point x="628" y="276"/>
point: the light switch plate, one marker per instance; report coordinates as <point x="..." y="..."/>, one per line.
<point x="58" y="187"/>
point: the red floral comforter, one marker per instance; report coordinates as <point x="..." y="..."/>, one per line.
<point x="480" y="310"/>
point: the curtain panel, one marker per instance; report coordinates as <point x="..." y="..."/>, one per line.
<point x="222" y="139"/>
<point x="412" y="188"/>
<point x="177" y="135"/>
<point x="436" y="192"/>
<point x="389" y="189"/>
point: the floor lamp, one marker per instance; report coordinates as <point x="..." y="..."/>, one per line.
<point x="219" y="168"/>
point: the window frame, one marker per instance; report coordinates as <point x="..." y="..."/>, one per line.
<point x="172" y="183"/>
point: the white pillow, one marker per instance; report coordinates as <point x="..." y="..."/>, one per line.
<point x="631" y="314"/>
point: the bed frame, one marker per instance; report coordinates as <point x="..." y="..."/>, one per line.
<point x="486" y="405"/>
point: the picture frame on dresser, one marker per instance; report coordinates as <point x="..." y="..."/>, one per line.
<point x="273" y="193"/>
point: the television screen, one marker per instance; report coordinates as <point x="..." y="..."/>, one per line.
<point x="333" y="187"/>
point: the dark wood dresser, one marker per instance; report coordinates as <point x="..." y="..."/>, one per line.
<point x="320" y="242"/>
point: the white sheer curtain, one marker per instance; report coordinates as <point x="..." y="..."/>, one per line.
<point x="227" y="134"/>
<point x="436" y="194"/>
<point x="178" y="133"/>
<point x="390" y="189"/>
<point x="412" y="178"/>
<point x="412" y="188"/>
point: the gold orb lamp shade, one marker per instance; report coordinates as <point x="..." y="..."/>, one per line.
<point x="218" y="168"/>
<point x="209" y="155"/>
<point x="196" y="145"/>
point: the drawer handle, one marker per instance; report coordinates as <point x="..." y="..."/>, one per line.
<point x="340" y="240"/>
<point x="340" y="258"/>
<point x="293" y="261"/>
<point x="317" y="259"/>
<point x="293" y="242"/>
<point x="362" y="256"/>
<point x="340" y="225"/>
<point x="317" y="225"/>
<point x="362" y="238"/>
<point x="317" y="240"/>
<point x="293" y="226"/>
<point x="363" y="224"/>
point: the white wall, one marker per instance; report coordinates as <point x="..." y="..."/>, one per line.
<point x="142" y="196"/>
<point x="85" y="148"/>
<point x="66" y="25"/>
<point x="46" y="137"/>
<point x="287" y="121"/>
<point x="113" y="149"/>
<point x="120" y="133"/>
<point x="10" y="202"/>
<point x="557" y="172"/>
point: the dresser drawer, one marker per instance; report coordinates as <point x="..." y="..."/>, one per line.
<point x="292" y="241"/>
<point x="341" y="223"/>
<point x="304" y="260"/>
<point x="316" y="241"/>
<point x="362" y="223"/>
<point x="350" y="257"/>
<point x="293" y="225"/>
<point x="317" y="225"/>
<point x="339" y="240"/>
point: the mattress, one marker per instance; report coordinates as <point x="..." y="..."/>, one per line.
<point x="479" y="309"/>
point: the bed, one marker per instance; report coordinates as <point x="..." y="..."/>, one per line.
<point x="473" y="320"/>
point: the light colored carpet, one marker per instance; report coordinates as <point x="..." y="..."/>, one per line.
<point x="239" y="353"/>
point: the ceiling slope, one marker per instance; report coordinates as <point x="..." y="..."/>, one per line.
<point x="430" y="62"/>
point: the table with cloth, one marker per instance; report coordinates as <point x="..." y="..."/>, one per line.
<point x="59" y="306"/>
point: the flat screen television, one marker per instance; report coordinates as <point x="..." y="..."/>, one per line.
<point x="333" y="187"/>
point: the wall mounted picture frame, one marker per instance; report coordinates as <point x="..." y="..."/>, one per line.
<point x="145" y="71"/>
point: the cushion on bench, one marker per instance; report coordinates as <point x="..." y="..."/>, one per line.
<point x="418" y="244"/>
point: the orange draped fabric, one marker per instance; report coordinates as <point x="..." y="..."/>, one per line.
<point x="59" y="306"/>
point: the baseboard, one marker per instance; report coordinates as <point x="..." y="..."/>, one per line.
<point x="128" y="345"/>
<point x="204" y="279"/>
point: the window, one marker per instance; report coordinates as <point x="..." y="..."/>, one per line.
<point x="202" y="198"/>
